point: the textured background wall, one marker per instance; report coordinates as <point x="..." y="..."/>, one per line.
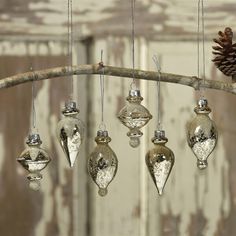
<point x="194" y="203"/>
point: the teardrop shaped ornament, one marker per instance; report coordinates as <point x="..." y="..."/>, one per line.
<point x="70" y="132"/>
<point x="102" y="162"/>
<point x="202" y="134"/>
<point x="160" y="161"/>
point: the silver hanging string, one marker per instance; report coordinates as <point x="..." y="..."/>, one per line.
<point x="133" y="84"/>
<point x="155" y="60"/>
<point x="102" y="125"/>
<point x="201" y="12"/>
<point x="203" y="45"/>
<point x="198" y="40"/>
<point x="33" y="113"/>
<point x="70" y="44"/>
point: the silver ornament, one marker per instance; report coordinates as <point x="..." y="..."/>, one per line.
<point x="34" y="159"/>
<point x="160" y="160"/>
<point x="70" y="132"/>
<point x="202" y="134"/>
<point x="102" y="162"/>
<point x="134" y="116"/>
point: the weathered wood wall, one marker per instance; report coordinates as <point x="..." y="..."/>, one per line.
<point x="194" y="203"/>
<point x="56" y="210"/>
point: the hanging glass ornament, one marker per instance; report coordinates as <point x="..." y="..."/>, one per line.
<point x="70" y="132"/>
<point x="202" y="134"/>
<point x="134" y="116"/>
<point x="160" y="160"/>
<point x="102" y="162"/>
<point x="34" y="159"/>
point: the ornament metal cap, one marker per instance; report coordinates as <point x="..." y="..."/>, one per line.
<point x="159" y="136"/>
<point x="102" y="133"/>
<point x="134" y="96"/>
<point x="202" y="106"/>
<point x="33" y="139"/>
<point x="102" y="137"/>
<point x="134" y="93"/>
<point x="70" y="108"/>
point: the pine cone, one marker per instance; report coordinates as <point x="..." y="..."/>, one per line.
<point x="225" y="52"/>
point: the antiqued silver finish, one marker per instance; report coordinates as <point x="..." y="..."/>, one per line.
<point x="134" y="116"/>
<point x="70" y="132"/>
<point x="34" y="159"/>
<point x="202" y="134"/>
<point x="102" y="162"/>
<point x="160" y="160"/>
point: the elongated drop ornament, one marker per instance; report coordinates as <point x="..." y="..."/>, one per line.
<point x="134" y="116"/>
<point x="102" y="162"/>
<point x="34" y="159"/>
<point x="160" y="160"/>
<point x="70" y="132"/>
<point x="202" y="134"/>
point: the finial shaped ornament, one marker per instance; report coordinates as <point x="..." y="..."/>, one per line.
<point x="102" y="162"/>
<point x="134" y="116"/>
<point x="34" y="159"/>
<point x="202" y="134"/>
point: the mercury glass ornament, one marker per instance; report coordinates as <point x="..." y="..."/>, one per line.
<point x="34" y="159"/>
<point x="134" y="116"/>
<point x="202" y="134"/>
<point x="102" y="162"/>
<point x="70" y="132"/>
<point x="160" y="160"/>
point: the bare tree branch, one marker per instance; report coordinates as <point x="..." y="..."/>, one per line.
<point x="191" y="81"/>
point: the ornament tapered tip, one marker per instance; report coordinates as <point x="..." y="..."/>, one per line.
<point x="102" y="192"/>
<point x="35" y="185"/>
<point x="202" y="164"/>
<point x="134" y="142"/>
<point x="160" y="192"/>
<point x="71" y="165"/>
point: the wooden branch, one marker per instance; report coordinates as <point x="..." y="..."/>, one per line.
<point x="191" y="81"/>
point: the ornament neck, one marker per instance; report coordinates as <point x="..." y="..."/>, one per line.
<point x="159" y="137"/>
<point x="102" y="137"/>
<point x="134" y="96"/>
<point x="202" y="107"/>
